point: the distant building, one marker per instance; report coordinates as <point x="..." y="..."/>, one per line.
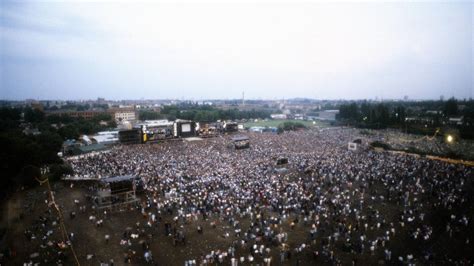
<point x="327" y="115"/>
<point x="37" y="106"/>
<point x="31" y="131"/>
<point x="299" y="116"/>
<point x="278" y="116"/>
<point x="123" y="114"/>
<point x="428" y="120"/>
<point x="257" y="129"/>
<point x="456" y="120"/>
<point x="76" y="114"/>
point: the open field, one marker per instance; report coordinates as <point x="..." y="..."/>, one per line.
<point x="275" y="123"/>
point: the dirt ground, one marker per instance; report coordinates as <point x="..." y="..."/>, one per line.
<point x="25" y="207"/>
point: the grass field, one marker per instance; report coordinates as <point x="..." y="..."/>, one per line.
<point x="275" y="123"/>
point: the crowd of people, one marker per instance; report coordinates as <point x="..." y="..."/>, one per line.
<point x="327" y="204"/>
<point x="436" y="144"/>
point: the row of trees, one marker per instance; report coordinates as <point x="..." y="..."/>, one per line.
<point x="372" y="115"/>
<point x="203" y="113"/>
<point x="75" y="106"/>
<point x="393" y="114"/>
<point x="67" y="127"/>
<point x="22" y="156"/>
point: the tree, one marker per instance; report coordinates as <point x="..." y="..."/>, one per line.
<point x="9" y="118"/>
<point x="205" y="116"/>
<point x="149" y="115"/>
<point x="451" y="107"/>
<point x="50" y="144"/>
<point x="28" y="176"/>
<point x="83" y="107"/>
<point x="34" y="115"/>
<point x="56" y="171"/>
<point x="349" y="112"/>
<point x="69" y="132"/>
<point x="382" y="115"/>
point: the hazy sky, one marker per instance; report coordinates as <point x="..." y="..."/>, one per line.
<point x="191" y="50"/>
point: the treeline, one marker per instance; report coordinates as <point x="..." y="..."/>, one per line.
<point x="72" y="128"/>
<point x="22" y="156"/>
<point x="203" y="113"/>
<point x="65" y="126"/>
<point x="76" y="106"/>
<point x="428" y="115"/>
<point x="372" y="115"/>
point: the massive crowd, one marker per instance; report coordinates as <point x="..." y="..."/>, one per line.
<point x="435" y="144"/>
<point x="328" y="204"/>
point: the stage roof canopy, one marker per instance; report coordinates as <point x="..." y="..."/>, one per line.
<point x="118" y="178"/>
<point x="240" y="138"/>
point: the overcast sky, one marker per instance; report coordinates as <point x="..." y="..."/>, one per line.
<point x="191" y="50"/>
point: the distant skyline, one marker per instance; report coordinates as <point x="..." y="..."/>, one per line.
<point x="73" y="50"/>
